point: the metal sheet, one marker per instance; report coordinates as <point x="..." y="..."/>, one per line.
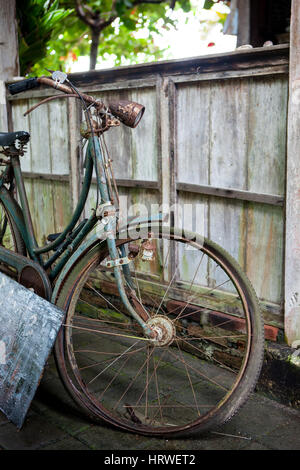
<point x="28" y="329"/>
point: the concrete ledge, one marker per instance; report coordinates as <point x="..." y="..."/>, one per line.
<point x="280" y="376"/>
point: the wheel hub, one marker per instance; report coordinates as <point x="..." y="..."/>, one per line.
<point x="163" y="329"/>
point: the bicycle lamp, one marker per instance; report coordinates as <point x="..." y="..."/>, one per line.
<point x="128" y="112"/>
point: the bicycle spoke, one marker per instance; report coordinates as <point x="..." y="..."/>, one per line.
<point x="113" y="362"/>
<point x="189" y="377"/>
<point x="157" y="390"/>
<point x="192" y="283"/>
<point x="114" y="377"/>
<point x="106" y="360"/>
<point x="133" y="381"/>
<point x="102" y="296"/>
<point x="201" y="374"/>
<point x="183" y="372"/>
<point x="104" y="332"/>
<point x="202" y="352"/>
<point x="175" y="272"/>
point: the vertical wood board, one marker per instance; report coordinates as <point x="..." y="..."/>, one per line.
<point x="267" y="135"/>
<point x="21" y="123"/>
<point x="193" y="133"/>
<point x="292" y="234"/>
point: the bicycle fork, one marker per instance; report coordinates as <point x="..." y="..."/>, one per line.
<point x="114" y="255"/>
<point x="111" y="243"/>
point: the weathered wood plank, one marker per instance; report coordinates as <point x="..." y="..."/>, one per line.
<point x="271" y="70"/>
<point x="227" y="227"/>
<point x="292" y="234"/>
<point x="40" y="140"/>
<point x="144" y="137"/>
<point x="21" y="123"/>
<point x="267" y="135"/>
<point x="228" y="134"/>
<point x="43" y="210"/>
<point x="9" y="57"/>
<point x="236" y="60"/>
<point x="264" y="259"/>
<point x="3" y="108"/>
<point x="62" y="205"/>
<point x="192" y="214"/>
<point x="45" y="176"/>
<point x="58" y="136"/>
<point x="262" y="59"/>
<point x="273" y="199"/>
<point x="244" y="9"/>
<point x="166" y="145"/>
<point x="193" y="128"/>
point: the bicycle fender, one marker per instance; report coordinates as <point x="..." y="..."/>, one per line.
<point x="136" y="225"/>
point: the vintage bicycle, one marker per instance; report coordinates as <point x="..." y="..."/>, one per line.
<point x="145" y="345"/>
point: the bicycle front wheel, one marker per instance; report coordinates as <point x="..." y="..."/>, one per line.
<point x="206" y="355"/>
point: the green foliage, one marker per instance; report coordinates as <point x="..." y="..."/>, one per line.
<point x="71" y="37"/>
<point x="208" y="4"/>
<point x="52" y="36"/>
<point x="36" y="21"/>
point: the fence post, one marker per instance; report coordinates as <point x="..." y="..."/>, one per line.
<point x="292" y="243"/>
<point x="243" y="36"/>
<point x="167" y="98"/>
<point x="9" y="58"/>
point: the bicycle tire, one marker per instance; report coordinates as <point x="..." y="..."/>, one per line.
<point x="218" y="414"/>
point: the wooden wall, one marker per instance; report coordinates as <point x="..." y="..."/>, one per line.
<point x="213" y="134"/>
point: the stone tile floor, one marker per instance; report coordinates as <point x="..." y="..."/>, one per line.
<point x="54" y="423"/>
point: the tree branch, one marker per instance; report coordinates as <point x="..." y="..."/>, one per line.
<point x="157" y="2"/>
<point x="82" y="15"/>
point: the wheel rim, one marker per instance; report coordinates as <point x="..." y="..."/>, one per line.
<point x="166" y="386"/>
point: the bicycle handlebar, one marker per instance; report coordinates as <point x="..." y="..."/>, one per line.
<point x="128" y="112"/>
<point x="30" y="83"/>
<point x="23" y="85"/>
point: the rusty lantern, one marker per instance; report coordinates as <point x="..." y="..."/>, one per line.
<point x="128" y="112"/>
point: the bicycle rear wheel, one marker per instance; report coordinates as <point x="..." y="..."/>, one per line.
<point x="207" y="354"/>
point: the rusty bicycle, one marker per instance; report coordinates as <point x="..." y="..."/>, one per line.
<point x="163" y="334"/>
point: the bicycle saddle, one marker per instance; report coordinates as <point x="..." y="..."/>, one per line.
<point x="9" y="138"/>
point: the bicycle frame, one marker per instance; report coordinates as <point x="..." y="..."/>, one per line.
<point x="69" y="240"/>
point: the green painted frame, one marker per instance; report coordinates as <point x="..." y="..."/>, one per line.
<point x="70" y="239"/>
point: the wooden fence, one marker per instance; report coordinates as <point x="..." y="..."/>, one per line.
<point x="213" y="134"/>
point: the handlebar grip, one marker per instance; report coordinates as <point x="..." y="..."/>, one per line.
<point x="23" y="85"/>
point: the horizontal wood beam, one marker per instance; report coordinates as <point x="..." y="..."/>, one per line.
<point x="237" y="64"/>
<point x="240" y="59"/>
<point x="45" y="176"/>
<point x="125" y="183"/>
<point x="273" y="199"/>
